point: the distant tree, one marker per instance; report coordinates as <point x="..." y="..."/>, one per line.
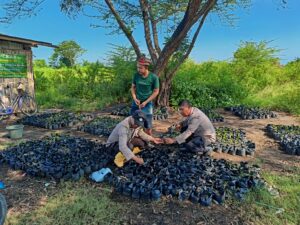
<point x="253" y="53"/>
<point x="66" y="54"/>
<point x="40" y="63"/>
<point x="121" y="55"/>
<point x="255" y="65"/>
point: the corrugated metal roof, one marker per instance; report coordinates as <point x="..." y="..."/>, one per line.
<point x="32" y="43"/>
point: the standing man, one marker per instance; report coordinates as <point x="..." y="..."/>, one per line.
<point x="144" y="89"/>
<point x="197" y="131"/>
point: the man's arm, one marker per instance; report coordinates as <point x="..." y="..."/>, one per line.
<point x="192" y="127"/>
<point x="133" y="93"/>
<point x="153" y="96"/>
<point x="123" y="147"/>
<point x="148" y="138"/>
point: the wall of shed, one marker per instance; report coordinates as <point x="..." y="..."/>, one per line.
<point x="8" y="47"/>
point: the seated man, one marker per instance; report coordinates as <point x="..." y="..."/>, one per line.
<point x="129" y="134"/>
<point x="197" y="132"/>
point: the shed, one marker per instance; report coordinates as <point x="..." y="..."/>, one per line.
<point x="16" y="63"/>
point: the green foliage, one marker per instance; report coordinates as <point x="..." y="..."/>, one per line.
<point x="66" y="54"/>
<point x="268" y="83"/>
<point x="87" y="87"/>
<point x="254" y="77"/>
<point x="256" y="66"/>
<point x="206" y="85"/>
<point x="39" y="63"/>
<point x="73" y="88"/>
<point x="123" y="63"/>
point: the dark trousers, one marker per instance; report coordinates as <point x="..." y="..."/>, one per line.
<point x="196" y="144"/>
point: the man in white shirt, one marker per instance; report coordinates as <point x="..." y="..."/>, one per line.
<point x="197" y="131"/>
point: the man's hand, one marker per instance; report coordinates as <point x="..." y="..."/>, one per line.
<point x="143" y="105"/>
<point x="157" y="141"/>
<point x="137" y="102"/>
<point x="177" y="127"/>
<point x="138" y="160"/>
<point x="169" y="141"/>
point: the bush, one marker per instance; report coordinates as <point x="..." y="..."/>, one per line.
<point x="254" y="77"/>
<point x="206" y="85"/>
<point x="87" y="87"/>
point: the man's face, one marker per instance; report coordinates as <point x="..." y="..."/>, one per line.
<point x="141" y="69"/>
<point x="185" y="111"/>
<point x="134" y="126"/>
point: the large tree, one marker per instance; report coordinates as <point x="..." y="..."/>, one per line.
<point x="66" y="54"/>
<point x="171" y="27"/>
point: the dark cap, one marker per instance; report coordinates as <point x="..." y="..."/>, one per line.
<point x="139" y="118"/>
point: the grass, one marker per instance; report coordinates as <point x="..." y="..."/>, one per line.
<point x="75" y="204"/>
<point x="81" y="203"/>
<point x="5" y="145"/>
<point x="72" y="103"/>
<point x="288" y="99"/>
<point x="262" y="208"/>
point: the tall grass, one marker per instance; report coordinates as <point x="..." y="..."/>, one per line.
<point x="87" y="87"/>
<point x="253" y="77"/>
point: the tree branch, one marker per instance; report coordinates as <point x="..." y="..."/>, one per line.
<point x="191" y="16"/>
<point x="154" y="31"/>
<point x="170" y="10"/>
<point x="124" y="28"/>
<point x="170" y="74"/>
<point x="20" y="8"/>
<point x="145" y="13"/>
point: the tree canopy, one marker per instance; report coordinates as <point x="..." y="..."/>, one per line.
<point x="66" y="54"/>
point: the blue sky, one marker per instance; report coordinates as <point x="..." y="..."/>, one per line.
<point x="265" y="20"/>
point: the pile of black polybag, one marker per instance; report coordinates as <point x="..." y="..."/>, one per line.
<point x="288" y="137"/>
<point x="121" y="111"/>
<point x="185" y="176"/>
<point x="248" y="113"/>
<point x="166" y="171"/>
<point x="101" y="126"/>
<point x="57" y="156"/>
<point x="233" y="141"/>
<point x="56" y="120"/>
<point x="213" y="115"/>
<point x="160" y="113"/>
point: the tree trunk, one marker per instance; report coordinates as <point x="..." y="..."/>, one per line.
<point x="165" y="92"/>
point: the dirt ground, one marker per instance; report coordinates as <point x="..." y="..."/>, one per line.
<point x="24" y="193"/>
